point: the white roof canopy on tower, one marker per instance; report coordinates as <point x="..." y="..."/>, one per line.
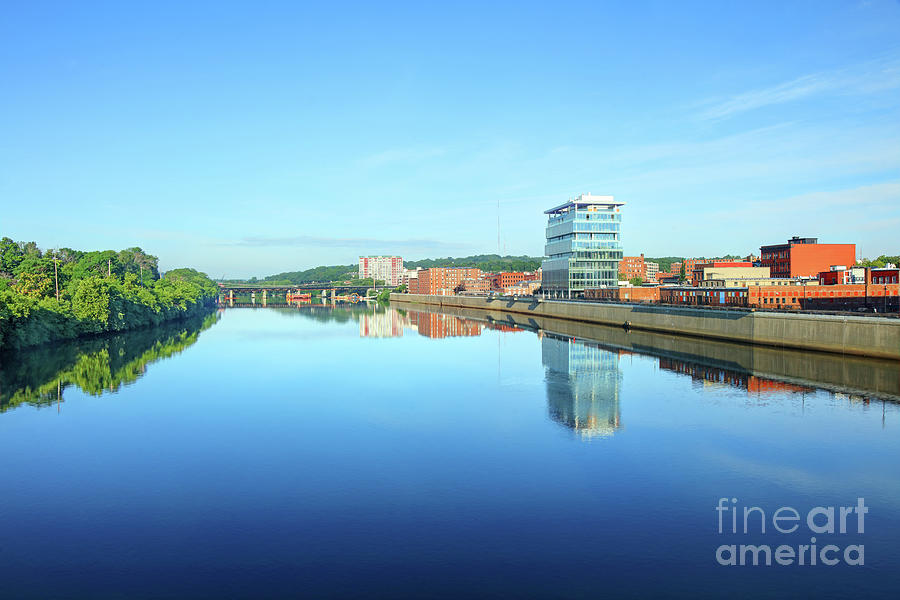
<point x="582" y="201"/>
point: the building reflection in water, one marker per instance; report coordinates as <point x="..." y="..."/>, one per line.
<point x="582" y="385"/>
<point x="583" y="377"/>
<point x="714" y="377"/>
<point x="436" y="325"/>
<point x="384" y="324"/>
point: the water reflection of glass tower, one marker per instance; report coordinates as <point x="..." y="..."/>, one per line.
<point x="582" y="385"/>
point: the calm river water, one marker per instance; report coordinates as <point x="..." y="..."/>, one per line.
<point x="334" y="452"/>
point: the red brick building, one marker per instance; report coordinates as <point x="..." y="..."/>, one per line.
<point x="476" y="285"/>
<point x="882" y="297"/>
<point x="631" y="267"/>
<point x="691" y="263"/>
<point x="694" y="296"/>
<point x="844" y="276"/>
<point x="883" y="275"/>
<point x="443" y="281"/>
<point x="805" y="257"/>
<point x="506" y="279"/>
<point x="624" y="294"/>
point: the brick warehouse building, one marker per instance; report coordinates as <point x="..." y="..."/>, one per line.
<point x="631" y="267"/>
<point x="674" y="268"/>
<point x="442" y="281"/>
<point x="805" y="257"/>
<point x="690" y="264"/>
<point x="505" y="279"/>
<point x="882" y="298"/>
<point x="624" y="294"/>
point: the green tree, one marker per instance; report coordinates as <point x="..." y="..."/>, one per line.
<point x="99" y="292"/>
<point x="136" y="261"/>
<point x="37" y="285"/>
<point x="90" y="303"/>
<point x="11" y="256"/>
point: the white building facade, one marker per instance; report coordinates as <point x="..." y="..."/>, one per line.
<point x="583" y="246"/>
<point x="386" y="268"/>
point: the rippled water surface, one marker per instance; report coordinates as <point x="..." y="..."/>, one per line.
<point x="367" y="452"/>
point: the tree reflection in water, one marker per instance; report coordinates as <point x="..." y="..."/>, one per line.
<point x="40" y="376"/>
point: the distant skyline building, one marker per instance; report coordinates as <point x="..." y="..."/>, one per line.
<point x="583" y="245"/>
<point x="387" y="268"/>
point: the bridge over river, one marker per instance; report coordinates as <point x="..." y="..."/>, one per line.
<point x="247" y="294"/>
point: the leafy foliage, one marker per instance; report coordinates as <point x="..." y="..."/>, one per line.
<point x="315" y="275"/>
<point x="881" y="261"/>
<point x="98" y="292"/>
<point x="384" y="296"/>
<point x="665" y="262"/>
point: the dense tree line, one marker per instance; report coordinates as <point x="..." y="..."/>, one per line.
<point x="65" y="293"/>
<point x="328" y="274"/>
<point x="881" y="261"/>
<point x="324" y="274"/>
<point x="486" y="262"/>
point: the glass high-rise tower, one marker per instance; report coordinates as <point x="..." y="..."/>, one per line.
<point x="583" y="246"/>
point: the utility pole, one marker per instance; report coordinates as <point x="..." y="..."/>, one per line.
<point x="142" y="275"/>
<point x="109" y="267"/>
<point x="56" y="276"/>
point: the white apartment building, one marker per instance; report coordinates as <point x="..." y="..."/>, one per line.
<point x="386" y="268"/>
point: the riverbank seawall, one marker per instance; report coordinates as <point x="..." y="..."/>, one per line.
<point x="841" y="334"/>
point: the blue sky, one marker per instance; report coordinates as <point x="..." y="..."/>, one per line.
<point x="252" y="138"/>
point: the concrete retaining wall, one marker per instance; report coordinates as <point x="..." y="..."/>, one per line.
<point x="855" y="375"/>
<point x="862" y="336"/>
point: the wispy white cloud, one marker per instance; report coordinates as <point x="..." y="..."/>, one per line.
<point x="784" y="92"/>
<point x="866" y="200"/>
<point x="865" y="78"/>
